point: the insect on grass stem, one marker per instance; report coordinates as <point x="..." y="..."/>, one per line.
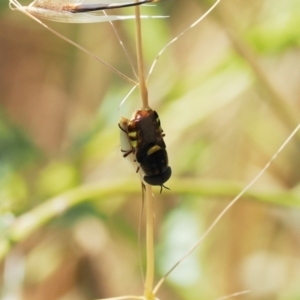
<point x="148" y="288"/>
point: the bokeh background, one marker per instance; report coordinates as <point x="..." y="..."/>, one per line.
<point x="227" y="93"/>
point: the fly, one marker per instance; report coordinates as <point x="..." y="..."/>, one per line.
<point x="145" y="142"/>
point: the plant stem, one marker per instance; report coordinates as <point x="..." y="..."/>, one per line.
<point x="148" y="289"/>
<point x="149" y="244"/>
<point x="140" y="60"/>
<point x="31" y="221"/>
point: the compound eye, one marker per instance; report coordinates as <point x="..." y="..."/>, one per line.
<point x="159" y="179"/>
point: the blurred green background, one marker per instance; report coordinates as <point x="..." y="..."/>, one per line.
<point x="227" y="94"/>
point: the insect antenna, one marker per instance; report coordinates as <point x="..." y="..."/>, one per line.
<point x="165" y="187"/>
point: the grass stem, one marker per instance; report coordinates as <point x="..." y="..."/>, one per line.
<point x="140" y="60"/>
<point x="148" y="291"/>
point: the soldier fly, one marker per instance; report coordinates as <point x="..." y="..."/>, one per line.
<point x="145" y="137"/>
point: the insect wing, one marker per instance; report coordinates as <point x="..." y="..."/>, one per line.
<point x="150" y="131"/>
<point x="146" y="136"/>
<point x="73" y="11"/>
<point x="76" y="6"/>
<point x="92" y="5"/>
<point x="127" y="149"/>
<point x="68" y="17"/>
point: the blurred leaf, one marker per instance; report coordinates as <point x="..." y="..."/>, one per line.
<point x="13" y="192"/>
<point x="276" y="30"/>
<point x="16" y="149"/>
<point x="57" y="177"/>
